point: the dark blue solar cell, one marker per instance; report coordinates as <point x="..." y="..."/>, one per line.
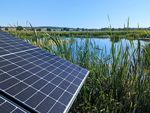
<point x="13" y="50"/>
<point x="57" y="80"/>
<point x="4" y="63"/>
<point x="51" y="61"/>
<point x="6" y="108"/>
<point x="47" y="59"/>
<point x="63" y="74"/>
<point x="4" y="77"/>
<point x="38" y="62"/>
<point x="21" y="63"/>
<point x="23" y="75"/>
<point x="62" y="61"/>
<point x="65" y="98"/>
<point x="32" y="59"/>
<point x="72" y="88"/>
<point x="42" y="73"/>
<point x="16" y="89"/>
<point x="39" y="84"/>
<point x="46" y="105"/>
<point x="24" y="95"/>
<point x="35" y="99"/>
<point x="8" y="67"/>
<point x="45" y="65"/>
<point x="2" y="59"/>
<point x="84" y="71"/>
<point x="64" y="84"/>
<point x="57" y="71"/>
<point x="4" y="45"/>
<point x="51" y="68"/>
<point x="35" y="69"/>
<point x="74" y="73"/>
<point x="3" y="52"/>
<point x="77" y="81"/>
<point x="16" y="71"/>
<point x="8" y="83"/>
<point x="10" y="56"/>
<point x="58" y="108"/>
<point x="16" y="59"/>
<point x="18" y="111"/>
<point x="31" y="80"/>
<point x="49" y="77"/>
<point x="72" y="66"/>
<point x="63" y="67"/>
<point x="28" y="66"/>
<point x="69" y="70"/>
<point x="1" y="72"/>
<point x="70" y="78"/>
<point x="48" y="88"/>
<point x="26" y="56"/>
<point x="56" y="93"/>
<point x="57" y="64"/>
<point x="81" y="76"/>
<point x="23" y="53"/>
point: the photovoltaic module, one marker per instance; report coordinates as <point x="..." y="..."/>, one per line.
<point x="33" y="80"/>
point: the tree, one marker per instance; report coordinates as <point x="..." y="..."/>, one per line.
<point x="65" y="29"/>
<point x="6" y="28"/>
<point x="19" y="28"/>
<point x="48" y="29"/>
<point x="39" y="29"/>
<point x="77" y="29"/>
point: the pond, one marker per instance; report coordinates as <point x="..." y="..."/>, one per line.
<point x="99" y="47"/>
<point x="104" y="45"/>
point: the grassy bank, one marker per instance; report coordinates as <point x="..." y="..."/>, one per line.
<point x="131" y="34"/>
<point x="122" y="86"/>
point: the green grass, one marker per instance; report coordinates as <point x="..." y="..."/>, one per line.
<point x="131" y="34"/>
<point x="120" y="87"/>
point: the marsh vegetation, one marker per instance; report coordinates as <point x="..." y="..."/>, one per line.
<point x="119" y="80"/>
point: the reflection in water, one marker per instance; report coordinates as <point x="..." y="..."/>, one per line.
<point x="105" y="44"/>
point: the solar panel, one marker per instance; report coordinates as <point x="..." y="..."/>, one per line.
<point x="7" y="106"/>
<point x="38" y="80"/>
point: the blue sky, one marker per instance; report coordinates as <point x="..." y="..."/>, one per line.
<point x="75" y="13"/>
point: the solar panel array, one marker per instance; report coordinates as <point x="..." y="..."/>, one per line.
<point x="40" y="81"/>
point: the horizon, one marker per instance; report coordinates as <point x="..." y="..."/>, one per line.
<point x="76" y="14"/>
<point x="72" y="27"/>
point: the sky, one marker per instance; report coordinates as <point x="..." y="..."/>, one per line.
<point x="75" y="13"/>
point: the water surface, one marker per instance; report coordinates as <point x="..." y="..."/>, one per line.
<point x="105" y="44"/>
